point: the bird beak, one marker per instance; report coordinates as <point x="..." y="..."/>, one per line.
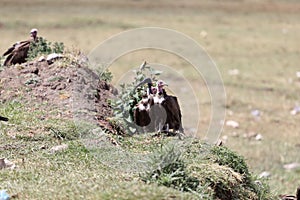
<point x="146" y="80"/>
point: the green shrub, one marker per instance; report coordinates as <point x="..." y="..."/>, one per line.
<point x="248" y="188"/>
<point x="128" y="97"/>
<point x="168" y="168"/>
<point x="224" y="156"/>
<point x="106" y="76"/>
<point x="43" y="47"/>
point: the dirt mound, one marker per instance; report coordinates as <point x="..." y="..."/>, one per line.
<point x="74" y="90"/>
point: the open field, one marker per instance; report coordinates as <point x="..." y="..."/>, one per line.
<point x="258" y="38"/>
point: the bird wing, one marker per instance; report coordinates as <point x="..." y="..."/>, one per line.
<point x="15" y="46"/>
<point x="18" y="54"/>
<point x="173" y="112"/>
<point x="8" y="51"/>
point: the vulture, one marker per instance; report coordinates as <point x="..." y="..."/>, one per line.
<point x="291" y="197"/>
<point x="17" y="54"/>
<point x="3" y="119"/>
<point x="161" y="112"/>
<point x="141" y="112"/>
<point x="172" y="108"/>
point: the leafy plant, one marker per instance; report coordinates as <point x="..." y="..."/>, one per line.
<point x="129" y="96"/>
<point x="43" y="47"/>
<point x="225" y="156"/>
<point x="249" y="184"/>
<point x="168" y="168"/>
<point x="106" y="76"/>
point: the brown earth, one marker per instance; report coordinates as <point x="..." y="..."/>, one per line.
<point x="72" y="88"/>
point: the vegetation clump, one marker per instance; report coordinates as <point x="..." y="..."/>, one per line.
<point x="43" y="47"/>
<point x="215" y="172"/>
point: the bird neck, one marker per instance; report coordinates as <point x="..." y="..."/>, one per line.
<point x="34" y="38"/>
<point x="160" y="89"/>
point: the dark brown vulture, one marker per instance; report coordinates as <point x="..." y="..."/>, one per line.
<point x="17" y="54"/>
<point x="291" y="197"/>
<point x="172" y="108"/>
<point x="3" y="119"/>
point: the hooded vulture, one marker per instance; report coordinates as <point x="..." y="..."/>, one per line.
<point x="17" y="54"/>
<point x="164" y="112"/>
<point x="291" y="197"/>
<point x="172" y="108"/>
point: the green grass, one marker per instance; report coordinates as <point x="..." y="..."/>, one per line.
<point x="92" y="168"/>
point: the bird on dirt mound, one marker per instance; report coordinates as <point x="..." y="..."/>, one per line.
<point x="291" y="197"/>
<point x="3" y="119"/>
<point x="18" y="52"/>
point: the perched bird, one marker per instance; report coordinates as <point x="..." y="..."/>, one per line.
<point x="141" y="112"/>
<point x="3" y="119"/>
<point x="291" y="197"/>
<point x="163" y="110"/>
<point x="18" y="52"/>
<point x="172" y="108"/>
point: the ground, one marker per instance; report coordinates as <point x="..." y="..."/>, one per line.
<point x="55" y="86"/>
<point x="59" y="115"/>
<point x="257" y="39"/>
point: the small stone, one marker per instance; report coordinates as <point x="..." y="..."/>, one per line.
<point x="59" y="148"/>
<point x="292" y="166"/>
<point x="4" y="163"/>
<point x="203" y="34"/>
<point x="295" y="110"/>
<point x="224" y="138"/>
<point x="255" y="113"/>
<point x="264" y="174"/>
<point x="41" y="59"/>
<point x="258" y="137"/>
<point x="52" y="57"/>
<point x="232" y="124"/>
<point x="233" y="72"/>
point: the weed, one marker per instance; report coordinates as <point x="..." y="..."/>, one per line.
<point x="106" y="76"/>
<point x="43" y="47"/>
<point x="225" y="156"/>
<point x="129" y="96"/>
<point x="169" y="169"/>
<point x="32" y="81"/>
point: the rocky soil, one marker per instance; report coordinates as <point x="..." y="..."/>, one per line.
<point x="70" y="87"/>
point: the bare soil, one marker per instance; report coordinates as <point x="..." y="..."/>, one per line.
<point x="76" y="92"/>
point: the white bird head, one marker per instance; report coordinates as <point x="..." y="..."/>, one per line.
<point x="161" y="83"/>
<point x="33" y="33"/>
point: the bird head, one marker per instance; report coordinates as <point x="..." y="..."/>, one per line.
<point x="161" y="83"/>
<point x="33" y="33"/>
